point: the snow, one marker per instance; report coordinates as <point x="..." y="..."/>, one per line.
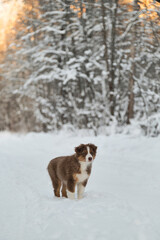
<point x="121" y="201"/>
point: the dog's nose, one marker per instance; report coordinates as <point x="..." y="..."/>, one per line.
<point x="90" y="158"/>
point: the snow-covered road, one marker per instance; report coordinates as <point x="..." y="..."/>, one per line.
<point x="122" y="198"/>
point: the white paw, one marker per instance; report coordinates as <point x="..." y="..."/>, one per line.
<point x="80" y="196"/>
<point x="70" y="195"/>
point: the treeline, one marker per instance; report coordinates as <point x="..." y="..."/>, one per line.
<point x="84" y="64"/>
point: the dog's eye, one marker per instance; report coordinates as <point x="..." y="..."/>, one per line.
<point x="84" y="153"/>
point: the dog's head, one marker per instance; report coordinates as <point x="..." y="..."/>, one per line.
<point x="86" y="152"/>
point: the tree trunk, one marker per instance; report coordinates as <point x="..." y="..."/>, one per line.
<point x="130" y="111"/>
<point x="112" y="48"/>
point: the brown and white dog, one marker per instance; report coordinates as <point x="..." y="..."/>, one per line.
<point x="73" y="170"/>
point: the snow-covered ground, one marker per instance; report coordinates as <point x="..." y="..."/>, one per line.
<point x="122" y="198"/>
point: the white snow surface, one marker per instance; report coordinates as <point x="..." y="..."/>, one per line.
<point x="121" y="200"/>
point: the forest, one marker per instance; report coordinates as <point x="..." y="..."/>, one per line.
<point x="89" y="64"/>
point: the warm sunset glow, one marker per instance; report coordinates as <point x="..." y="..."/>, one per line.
<point x="10" y="10"/>
<point x="149" y="5"/>
<point x="8" y="15"/>
<point x="80" y="10"/>
<point x="144" y="4"/>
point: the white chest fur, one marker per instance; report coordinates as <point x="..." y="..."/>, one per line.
<point x="83" y="175"/>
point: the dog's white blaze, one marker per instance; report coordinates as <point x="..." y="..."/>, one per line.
<point x="83" y="175"/>
<point x="88" y="154"/>
<point x="80" y="189"/>
<point x="70" y="195"/>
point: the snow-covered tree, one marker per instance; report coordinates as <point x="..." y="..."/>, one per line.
<point x="82" y="64"/>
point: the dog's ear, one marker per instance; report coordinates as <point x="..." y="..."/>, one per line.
<point x="79" y="149"/>
<point x="93" y="147"/>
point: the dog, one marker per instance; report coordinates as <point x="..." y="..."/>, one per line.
<point x="71" y="171"/>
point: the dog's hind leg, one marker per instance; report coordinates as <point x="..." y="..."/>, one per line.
<point x="64" y="192"/>
<point x="57" y="187"/>
<point x="56" y="183"/>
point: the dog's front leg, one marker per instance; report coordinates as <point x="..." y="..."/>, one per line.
<point x="71" y="188"/>
<point x="81" y="188"/>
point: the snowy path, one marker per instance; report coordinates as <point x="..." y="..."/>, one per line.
<point x="122" y="199"/>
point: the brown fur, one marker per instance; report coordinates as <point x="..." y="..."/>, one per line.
<point x="63" y="170"/>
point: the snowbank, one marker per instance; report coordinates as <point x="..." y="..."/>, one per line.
<point x="122" y="198"/>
